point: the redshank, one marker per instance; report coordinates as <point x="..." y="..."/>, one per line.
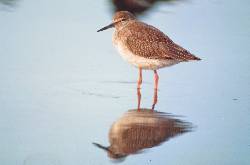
<point x="144" y="46"/>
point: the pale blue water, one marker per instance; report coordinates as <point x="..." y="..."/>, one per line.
<point x="63" y="84"/>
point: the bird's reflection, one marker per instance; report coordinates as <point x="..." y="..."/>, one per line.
<point x="142" y="128"/>
<point x="135" y="6"/>
<point x="155" y="99"/>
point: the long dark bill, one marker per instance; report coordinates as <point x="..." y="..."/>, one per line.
<point x="106" y="27"/>
<point x="100" y="146"/>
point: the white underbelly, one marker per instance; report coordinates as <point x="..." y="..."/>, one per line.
<point x="141" y="62"/>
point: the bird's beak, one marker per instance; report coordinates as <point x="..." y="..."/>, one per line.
<point x="101" y="146"/>
<point x="106" y="27"/>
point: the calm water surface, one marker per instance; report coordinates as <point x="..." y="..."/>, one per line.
<point x="64" y="87"/>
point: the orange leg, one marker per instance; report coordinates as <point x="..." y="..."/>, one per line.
<point x="138" y="99"/>
<point x="139" y="82"/>
<point x="156" y="77"/>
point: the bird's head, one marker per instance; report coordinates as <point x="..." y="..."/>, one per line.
<point x="120" y="19"/>
<point x="112" y="154"/>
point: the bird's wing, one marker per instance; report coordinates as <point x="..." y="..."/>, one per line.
<point x="147" y="41"/>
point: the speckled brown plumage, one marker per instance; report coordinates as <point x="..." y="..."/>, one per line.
<point x="146" y="41"/>
<point x="144" y="46"/>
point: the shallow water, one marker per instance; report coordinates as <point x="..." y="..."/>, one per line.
<point x="63" y="85"/>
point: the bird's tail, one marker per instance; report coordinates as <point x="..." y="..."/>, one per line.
<point x="193" y="57"/>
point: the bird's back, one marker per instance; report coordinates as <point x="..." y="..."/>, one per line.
<point x="147" y="41"/>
